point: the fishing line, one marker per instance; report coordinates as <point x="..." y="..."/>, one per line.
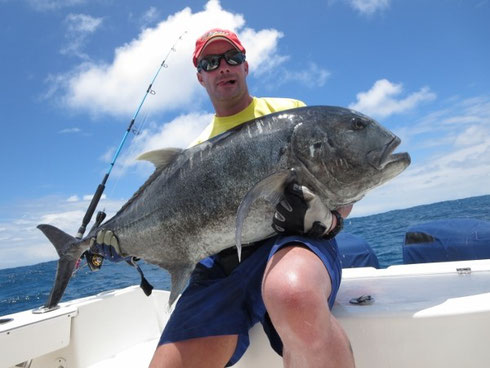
<point x="101" y="186"/>
<point x="136" y="132"/>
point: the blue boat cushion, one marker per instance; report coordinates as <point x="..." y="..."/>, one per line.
<point x="355" y="251"/>
<point x="447" y="240"/>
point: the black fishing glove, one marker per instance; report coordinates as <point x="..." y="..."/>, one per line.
<point x="108" y="252"/>
<point x="301" y="213"/>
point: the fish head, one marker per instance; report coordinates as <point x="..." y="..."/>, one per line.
<point x="345" y="153"/>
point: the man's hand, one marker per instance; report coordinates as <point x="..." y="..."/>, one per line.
<point x="108" y="252"/>
<point x="301" y="212"/>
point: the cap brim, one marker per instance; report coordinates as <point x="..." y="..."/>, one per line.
<point x="217" y="38"/>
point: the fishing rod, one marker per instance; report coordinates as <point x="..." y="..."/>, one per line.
<point x="101" y="187"/>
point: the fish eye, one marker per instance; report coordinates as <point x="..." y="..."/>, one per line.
<point x="358" y="124"/>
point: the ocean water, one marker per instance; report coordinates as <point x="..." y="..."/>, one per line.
<point x="28" y="287"/>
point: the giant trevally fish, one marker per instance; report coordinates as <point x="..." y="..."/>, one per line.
<point x="222" y="193"/>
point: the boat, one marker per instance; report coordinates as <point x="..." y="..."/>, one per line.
<point x="433" y="314"/>
<point x="419" y="315"/>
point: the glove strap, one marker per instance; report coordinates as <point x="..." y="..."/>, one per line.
<point x="317" y="230"/>
<point x="338" y="227"/>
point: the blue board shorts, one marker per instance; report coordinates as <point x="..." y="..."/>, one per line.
<point x="223" y="302"/>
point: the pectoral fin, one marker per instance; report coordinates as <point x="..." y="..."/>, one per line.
<point x="271" y="189"/>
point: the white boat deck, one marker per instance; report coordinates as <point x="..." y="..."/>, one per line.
<point x="427" y="315"/>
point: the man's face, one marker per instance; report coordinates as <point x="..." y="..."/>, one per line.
<point x="225" y="85"/>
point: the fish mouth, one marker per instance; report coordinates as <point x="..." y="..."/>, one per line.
<point x="379" y="159"/>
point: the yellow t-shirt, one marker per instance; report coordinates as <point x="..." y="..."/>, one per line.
<point x="259" y="106"/>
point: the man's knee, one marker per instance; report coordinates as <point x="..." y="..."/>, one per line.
<point x="296" y="281"/>
<point x="298" y="311"/>
<point x="290" y="293"/>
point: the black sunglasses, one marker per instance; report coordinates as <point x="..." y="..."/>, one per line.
<point x="211" y="62"/>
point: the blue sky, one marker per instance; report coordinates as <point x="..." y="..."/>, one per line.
<point x="74" y="72"/>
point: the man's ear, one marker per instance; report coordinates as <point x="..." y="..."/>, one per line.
<point x="199" y="78"/>
<point x="246" y="67"/>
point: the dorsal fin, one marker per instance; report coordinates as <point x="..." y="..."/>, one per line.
<point x="160" y="158"/>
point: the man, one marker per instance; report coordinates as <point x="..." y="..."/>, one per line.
<point x="287" y="282"/>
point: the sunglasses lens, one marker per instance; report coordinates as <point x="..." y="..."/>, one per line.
<point x="234" y="58"/>
<point x="211" y="62"/>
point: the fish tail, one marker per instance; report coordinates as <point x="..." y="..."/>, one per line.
<point x="70" y="250"/>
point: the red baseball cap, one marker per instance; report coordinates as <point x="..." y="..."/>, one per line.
<point x="213" y="35"/>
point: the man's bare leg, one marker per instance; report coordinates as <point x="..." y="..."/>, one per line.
<point x="295" y="289"/>
<point x="205" y="352"/>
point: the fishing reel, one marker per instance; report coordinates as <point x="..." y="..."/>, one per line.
<point x="95" y="260"/>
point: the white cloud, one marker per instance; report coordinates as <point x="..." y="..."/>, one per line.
<point x="262" y="54"/>
<point x="116" y="87"/>
<point x="64" y="219"/>
<point x="265" y="62"/>
<point x="471" y="136"/>
<point x="44" y="5"/>
<point x="19" y="234"/>
<point x="463" y="119"/>
<point x="368" y="7"/>
<point x="179" y="133"/>
<point x="88" y="197"/>
<point x="79" y="27"/>
<point x="455" y="162"/>
<point x="70" y="130"/>
<point x="380" y="100"/>
<point x="462" y="174"/>
<point x="149" y="16"/>
<point x="457" y="125"/>
<point x="82" y="23"/>
<point x="312" y="76"/>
